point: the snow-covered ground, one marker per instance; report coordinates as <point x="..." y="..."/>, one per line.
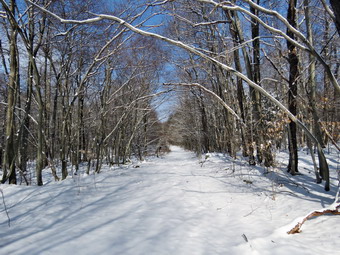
<point x="173" y="205"/>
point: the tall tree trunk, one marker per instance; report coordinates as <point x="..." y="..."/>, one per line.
<point x="41" y="158"/>
<point x="264" y="152"/>
<point x="204" y="121"/>
<point x="54" y="120"/>
<point x="104" y="96"/>
<point x="10" y="153"/>
<point x="256" y="77"/>
<point x="80" y="131"/>
<point x="312" y="92"/>
<point x="25" y="125"/>
<point x="40" y="137"/>
<point x="311" y="78"/>
<point x="24" y="129"/>
<point x="292" y="92"/>
<point x="256" y="138"/>
<point x="40" y="151"/>
<point x="326" y="87"/>
<point x="63" y="144"/>
<point x="47" y="110"/>
<point x="240" y="93"/>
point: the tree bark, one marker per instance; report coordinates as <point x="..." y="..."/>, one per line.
<point x="292" y="92"/>
<point x="255" y="95"/>
<point x="312" y="78"/>
<point x="25" y="126"/>
<point x="10" y="153"/>
<point x="246" y="140"/>
<point x="253" y="73"/>
<point x="336" y="9"/>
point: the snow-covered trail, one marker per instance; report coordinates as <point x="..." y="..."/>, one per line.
<point x="168" y="206"/>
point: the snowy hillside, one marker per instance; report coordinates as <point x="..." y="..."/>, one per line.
<point x="172" y="205"/>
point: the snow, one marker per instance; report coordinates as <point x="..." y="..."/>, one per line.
<point x="176" y="204"/>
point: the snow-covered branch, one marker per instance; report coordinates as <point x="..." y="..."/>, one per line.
<point x="220" y="100"/>
<point x="328" y="10"/>
<point x="333" y="209"/>
<point x="189" y="49"/>
<point x="201" y="54"/>
<point x="23" y="110"/>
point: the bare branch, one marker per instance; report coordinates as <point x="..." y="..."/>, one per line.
<point x="188" y="48"/>
<point x="274" y="66"/>
<point x="227" y="5"/>
<point x="328" y="10"/>
<point x="220" y="100"/>
<point x="211" y="23"/>
<point x="20" y="109"/>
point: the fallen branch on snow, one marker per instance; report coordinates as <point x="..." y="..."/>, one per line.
<point x="333" y="209"/>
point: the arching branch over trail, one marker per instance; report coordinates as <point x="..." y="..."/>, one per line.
<point x="305" y="45"/>
<point x="98" y="17"/>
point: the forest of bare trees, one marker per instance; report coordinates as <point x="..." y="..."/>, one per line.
<point x="84" y="82"/>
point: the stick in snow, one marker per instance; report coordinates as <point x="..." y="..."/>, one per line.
<point x="334" y="209"/>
